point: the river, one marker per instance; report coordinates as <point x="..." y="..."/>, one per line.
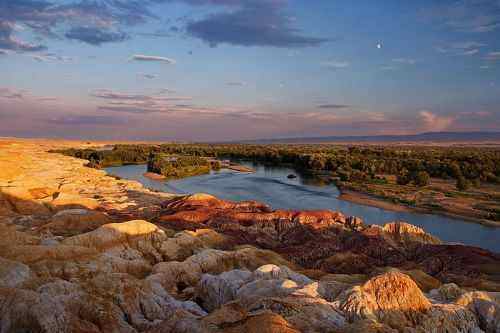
<point x="271" y="185"/>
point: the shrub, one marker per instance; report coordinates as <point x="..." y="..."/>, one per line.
<point x="422" y="178"/>
<point x="462" y="184"/>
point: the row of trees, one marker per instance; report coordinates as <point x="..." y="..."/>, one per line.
<point x="409" y="164"/>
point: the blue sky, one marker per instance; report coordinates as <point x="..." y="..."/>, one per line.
<point x="232" y="69"/>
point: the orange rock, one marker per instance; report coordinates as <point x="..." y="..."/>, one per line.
<point x="266" y="322"/>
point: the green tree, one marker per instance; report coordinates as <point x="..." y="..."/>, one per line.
<point x="403" y="178"/>
<point x="422" y="178"/>
<point x="462" y="184"/>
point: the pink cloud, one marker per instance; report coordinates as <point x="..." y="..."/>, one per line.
<point x="433" y="122"/>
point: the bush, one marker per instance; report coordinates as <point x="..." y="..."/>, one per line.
<point x="462" y="184"/>
<point x="403" y="178"/>
<point x="422" y="178"/>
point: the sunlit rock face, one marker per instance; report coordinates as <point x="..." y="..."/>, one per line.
<point x="84" y="252"/>
<point x="331" y="242"/>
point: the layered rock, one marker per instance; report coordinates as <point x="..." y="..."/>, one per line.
<point x="84" y="252"/>
<point x="330" y="242"/>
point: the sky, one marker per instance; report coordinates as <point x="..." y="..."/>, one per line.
<point x="209" y="70"/>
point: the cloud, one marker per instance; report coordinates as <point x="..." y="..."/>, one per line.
<point x="11" y="93"/>
<point x="47" y="99"/>
<point x="252" y="23"/>
<point x="136" y="103"/>
<point x="50" y="57"/>
<point x="9" y="42"/>
<point x="334" y="64"/>
<point x="433" y="122"/>
<point x="470" y="52"/>
<point x="405" y="61"/>
<point x="333" y="106"/>
<point x="147" y="76"/>
<point x="466" y="48"/>
<point x="493" y="56"/>
<point x="166" y="91"/>
<point x="109" y="94"/>
<point x="236" y="83"/>
<point x="140" y="57"/>
<point x="473" y="16"/>
<point x="85" y="120"/>
<point x="93" y="22"/>
<point x="96" y="36"/>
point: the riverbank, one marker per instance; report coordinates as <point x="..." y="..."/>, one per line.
<point x="448" y="208"/>
<point x="365" y="199"/>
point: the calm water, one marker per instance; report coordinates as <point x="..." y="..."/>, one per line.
<point x="271" y="185"/>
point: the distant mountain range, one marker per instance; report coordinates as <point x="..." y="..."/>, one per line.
<point x="421" y="137"/>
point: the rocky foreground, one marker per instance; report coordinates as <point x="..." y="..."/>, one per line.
<point x="84" y="252"/>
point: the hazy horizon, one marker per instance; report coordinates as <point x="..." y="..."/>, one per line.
<point x="208" y="70"/>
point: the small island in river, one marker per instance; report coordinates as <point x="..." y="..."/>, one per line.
<point x="454" y="181"/>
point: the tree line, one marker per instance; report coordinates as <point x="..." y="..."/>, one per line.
<point x="416" y="165"/>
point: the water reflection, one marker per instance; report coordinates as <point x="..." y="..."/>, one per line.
<point x="271" y="185"/>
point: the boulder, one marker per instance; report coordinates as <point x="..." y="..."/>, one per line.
<point x="13" y="274"/>
<point x="133" y="239"/>
<point x="266" y="322"/>
<point x="392" y="298"/>
<point x="72" y="222"/>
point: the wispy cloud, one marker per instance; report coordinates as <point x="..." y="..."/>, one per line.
<point x="236" y="83"/>
<point x="166" y="91"/>
<point x="12" y="93"/>
<point x="433" y="122"/>
<point x="405" y="61"/>
<point x="50" y="57"/>
<point x="48" y="99"/>
<point x="480" y="16"/>
<point x="335" y="64"/>
<point x="86" y="120"/>
<point x="149" y="58"/>
<point x="147" y="76"/>
<point x="467" y="48"/>
<point x="493" y="56"/>
<point x="96" y="35"/>
<point x="333" y="106"/>
<point x="136" y="103"/>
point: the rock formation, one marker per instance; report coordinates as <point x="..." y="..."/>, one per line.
<point x="85" y="252"/>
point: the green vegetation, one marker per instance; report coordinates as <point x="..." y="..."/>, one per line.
<point x="433" y="178"/>
<point x="410" y="164"/>
<point x="119" y="155"/>
<point x="172" y="166"/>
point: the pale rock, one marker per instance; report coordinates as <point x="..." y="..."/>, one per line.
<point x="447" y="292"/>
<point x="392" y="298"/>
<point x="216" y="290"/>
<point x="13" y="274"/>
<point x="275" y="272"/>
<point x="71" y="222"/>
